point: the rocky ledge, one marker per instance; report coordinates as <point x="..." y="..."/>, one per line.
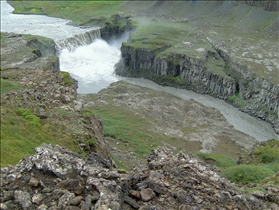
<point x="56" y="178"/>
<point x="235" y="83"/>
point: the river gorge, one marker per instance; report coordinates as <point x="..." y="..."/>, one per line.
<point x="146" y="105"/>
<point x="90" y="60"/>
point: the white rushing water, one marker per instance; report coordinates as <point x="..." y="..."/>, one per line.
<point x="93" y="66"/>
<point x="55" y="28"/>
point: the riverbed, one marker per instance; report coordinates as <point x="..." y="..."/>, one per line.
<point x="93" y="66"/>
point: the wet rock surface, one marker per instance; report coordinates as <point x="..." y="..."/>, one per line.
<point x="56" y="178"/>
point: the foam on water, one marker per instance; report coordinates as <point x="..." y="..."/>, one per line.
<point x="93" y="63"/>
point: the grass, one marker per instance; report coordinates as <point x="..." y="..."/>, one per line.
<point x="121" y="124"/>
<point x="247" y="173"/>
<point x="133" y="131"/>
<point x="262" y="164"/>
<point x="236" y="99"/>
<point x="220" y="160"/>
<point x="29" y="116"/>
<point x="67" y="79"/>
<point x="80" y="12"/>
<point x="158" y="33"/>
<point x="21" y="133"/>
<point x="22" y="130"/>
<point x="7" y="86"/>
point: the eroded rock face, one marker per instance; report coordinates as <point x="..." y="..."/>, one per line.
<point x="26" y="52"/>
<point x="254" y="94"/>
<point x="56" y="178"/>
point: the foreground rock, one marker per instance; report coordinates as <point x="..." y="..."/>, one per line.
<point x="56" y="178"/>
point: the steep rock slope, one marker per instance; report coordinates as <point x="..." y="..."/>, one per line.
<point x="56" y="178"/>
<point x="234" y="60"/>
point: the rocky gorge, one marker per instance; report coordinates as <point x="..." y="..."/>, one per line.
<point x="223" y="61"/>
<point x="57" y="178"/>
<point x="253" y="94"/>
<point x="81" y="164"/>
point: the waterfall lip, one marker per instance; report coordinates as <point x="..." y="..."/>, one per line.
<point x="54" y="28"/>
<point x="79" y="39"/>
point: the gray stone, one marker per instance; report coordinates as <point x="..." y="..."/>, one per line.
<point x="72" y="208"/>
<point x="33" y="182"/>
<point x="8" y="195"/>
<point x="3" y="206"/>
<point x="147" y="194"/>
<point x="86" y="205"/>
<point x="69" y="184"/>
<point x="76" y="200"/>
<point x="37" y="198"/>
<point x="43" y="207"/>
<point x="131" y="202"/>
<point x="23" y="198"/>
<point x="65" y="199"/>
<point x="135" y="194"/>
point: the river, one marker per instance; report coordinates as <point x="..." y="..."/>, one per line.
<point x="93" y="66"/>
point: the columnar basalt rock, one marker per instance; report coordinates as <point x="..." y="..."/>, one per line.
<point x="193" y="72"/>
<point x="257" y="96"/>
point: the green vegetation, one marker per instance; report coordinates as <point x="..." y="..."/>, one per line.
<point x="237" y="100"/>
<point x="80" y="12"/>
<point x="247" y="173"/>
<point x="67" y="79"/>
<point x="7" y="86"/>
<point x="262" y="163"/>
<point x="29" y="116"/>
<point x="124" y="126"/>
<point x="258" y="166"/>
<point x="22" y="131"/>
<point x="132" y="131"/>
<point x="119" y="164"/>
<point x="220" y="161"/>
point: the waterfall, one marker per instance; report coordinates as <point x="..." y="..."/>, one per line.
<point x="77" y="40"/>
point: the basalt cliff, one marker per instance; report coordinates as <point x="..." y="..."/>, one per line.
<point x="55" y="177"/>
<point x="228" y="60"/>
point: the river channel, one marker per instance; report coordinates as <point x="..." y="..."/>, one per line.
<point x="93" y="66"/>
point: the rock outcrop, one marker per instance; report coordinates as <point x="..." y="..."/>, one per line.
<point x="56" y="178"/>
<point x="246" y="90"/>
<point x="258" y="95"/>
<point x="28" y="52"/>
<point x="267" y="5"/>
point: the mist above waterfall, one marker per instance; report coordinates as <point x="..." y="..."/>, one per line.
<point x="93" y="65"/>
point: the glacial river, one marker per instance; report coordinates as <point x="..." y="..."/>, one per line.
<point x="93" y="66"/>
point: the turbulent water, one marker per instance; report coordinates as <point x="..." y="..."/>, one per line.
<point x="93" y="64"/>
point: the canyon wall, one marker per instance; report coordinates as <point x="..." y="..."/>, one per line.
<point x="252" y="94"/>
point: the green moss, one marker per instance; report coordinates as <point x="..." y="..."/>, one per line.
<point x="119" y="164"/>
<point x="67" y="79"/>
<point x="246" y="173"/>
<point x="237" y="100"/>
<point x="7" y="86"/>
<point x="220" y="161"/>
<point x="29" y="116"/>
<point x="253" y="189"/>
